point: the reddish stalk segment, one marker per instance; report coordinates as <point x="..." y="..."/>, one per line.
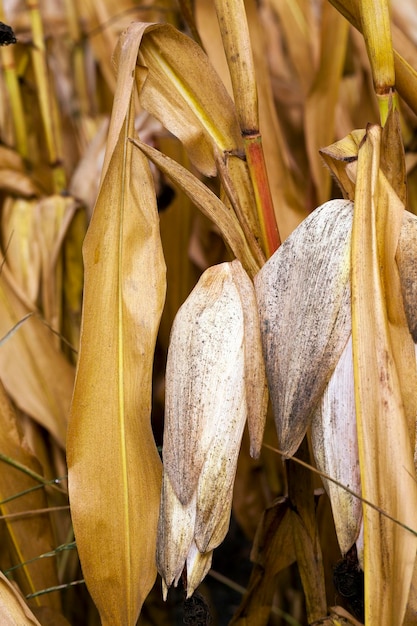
<point x="264" y="206"/>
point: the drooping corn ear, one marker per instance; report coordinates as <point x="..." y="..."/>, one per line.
<point x="214" y="377"/>
<point x="303" y="295"/>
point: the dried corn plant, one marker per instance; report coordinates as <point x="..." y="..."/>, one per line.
<point x="165" y="272"/>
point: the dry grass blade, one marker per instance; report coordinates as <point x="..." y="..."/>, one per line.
<point x="382" y="345"/>
<point x="114" y="467"/>
<point x="30" y="537"/>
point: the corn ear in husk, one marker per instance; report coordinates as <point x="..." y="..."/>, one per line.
<point x="215" y="380"/>
<point x="305" y="282"/>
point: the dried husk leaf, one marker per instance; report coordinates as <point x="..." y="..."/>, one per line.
<point x="207" y="403"/>
<point x="110" y="436"/>
<point x="256" y="387"/>
<point x="384" y="366"/>
<point x="339" y="157"/>
<point x="305" y="281"/>
<point x="214" y="303"/>
<point x="13" y="609"/>
<point x="272" y="551"/>
<point x="335" y="447"/>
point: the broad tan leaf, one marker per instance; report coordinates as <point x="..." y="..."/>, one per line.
<point x="384" y="364"/>
<point x="13" y="609"/>
<point x="114" y="467"/>
<point x="30" y="536"/>
<point x="303" y="295"/>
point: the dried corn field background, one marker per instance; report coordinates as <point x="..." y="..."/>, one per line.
<point x="145" y="145"/>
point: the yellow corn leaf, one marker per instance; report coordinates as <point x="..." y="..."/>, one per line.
<point x="30" y="536"/>
<point x="305" y="282"/>
<point x="13" y="609"/>
<point x="384" y="363"/>
<point x="35" y="374"/>
<point x="321" y="101"/>
<point x="200" y="113"/>
<point x="114" y="467"/>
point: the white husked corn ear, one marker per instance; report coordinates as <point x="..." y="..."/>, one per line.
<point x="215" y="380"/>
<point x="303" y="293"/>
